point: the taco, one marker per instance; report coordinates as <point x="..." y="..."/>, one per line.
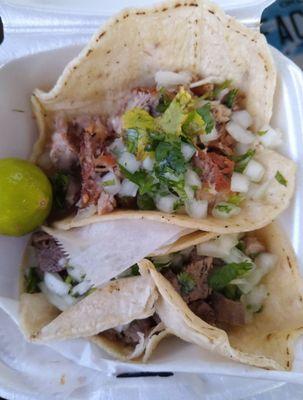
<point x="57" y="302"/>
<point x="168" y="123"/>
<point x="240" y="296"/>
<point x="237" y="295"/>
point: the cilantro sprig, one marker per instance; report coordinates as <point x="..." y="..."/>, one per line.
<point x="221" y="277"/>
<point x="280" y="178"/>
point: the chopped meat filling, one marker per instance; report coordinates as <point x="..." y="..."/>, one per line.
<point x="203" y="89"/>
<point x="227" y="311"/>
<point x="90" y="190"/>
<point x="130" y="333"/>
<point x="225" y="144"/>
<point x="253" y="246"/>
<point x="211" y="306"/>
<point x="216" y="170"/>
<point x="50" y="256"/>
<point x="221" y="113"/>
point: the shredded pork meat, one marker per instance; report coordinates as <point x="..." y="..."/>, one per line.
<point x="216" y="170"/>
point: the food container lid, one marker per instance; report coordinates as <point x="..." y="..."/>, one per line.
<point x="245" y="10"/>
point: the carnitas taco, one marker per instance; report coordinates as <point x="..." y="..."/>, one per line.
<point x="165" y="115"/>
<point x="59" y="302"/>
<point x="237" y="295"/>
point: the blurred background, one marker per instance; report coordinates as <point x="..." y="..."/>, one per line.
<point x="282" y="23"/>
<point x="36" y="25"/>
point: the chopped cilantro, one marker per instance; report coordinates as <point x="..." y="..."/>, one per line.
<point x="170" y="154"/>
<point x="143" y="179"/>
<point x="32" y="279"/>
<point x="60" y="183"/>
<point x="262" y="133"/>
<point x="110" y="182"/>
<point x="241" y="246"/>
<point x="243" y="160"/>
<point x="280" y="178"/>
<point x="90" y="291"/>
<point x="131" y="140"/>
<point x="164" y="101"/>
<point x="145" y="202"/>
<point x="232" y="292"/>
<point x="221" y="277"/>
<point x="68" y="279"/>
<point x="136" y="118"/>
<point x="221" y="86"/>
<point x="224" y="207"/>
<point x="172" y="119"/>
<point x="194" y="124"/>
<point x="207" y="116"/>
<point x="236" y="199"/>
<point x="230" y="98"/>
<point x="186" y="281"/>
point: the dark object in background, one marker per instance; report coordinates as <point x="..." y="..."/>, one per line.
<point x="1" y="40"/>
<point x="282" y="24"/>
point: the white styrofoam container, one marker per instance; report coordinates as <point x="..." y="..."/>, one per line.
<point x="19" y="131"/>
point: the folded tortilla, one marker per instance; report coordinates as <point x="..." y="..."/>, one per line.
<point x="268" y="341"/>
<point x="127" y="52"/>
<point x="117" y="303"/>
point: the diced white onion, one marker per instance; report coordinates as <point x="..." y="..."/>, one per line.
<point x="148" y="163"/>
<point x="187" y="150"/>
<point x="172" y="176"/>
<point x="208" y="137"/>
<point x="190" y="193"/>
<point x="61" y="302"/>
<point x="117" y="147"/>
<point x="81" y="288"/>
<point x="196" y="208"/>
<point x="192" y="178"/>
<point x="111" y="183"/>
<point x="257" y="191"/>
<point x="236" y="256"/>
<point x="76" y="273"/>
<point x="229" y="210"/>
<point x="209" y="79"/>
<point x="166" y="203"/>
<point x="169" y="78"/>
<point x="220" y="247"/>
<point x="129" y="162"/>
<point x="128" y="188"/>
<point x="266" y="261"/>
<point x="254" y="171"/>
<point x="272" y="138"/>
<point x="86" y="212"/>
<point x="239" y="183"/>
<point x="243" y="118"/>
<point x="240" y="134"/>
<point x="255" y="298"/>
<point x="55" y="284"/>
<point x="242" y="148"/>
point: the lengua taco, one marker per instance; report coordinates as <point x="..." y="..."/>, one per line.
<point x="57" y="302"/>
<point x="166" y="121"/>
<point x="238" y="295"/>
